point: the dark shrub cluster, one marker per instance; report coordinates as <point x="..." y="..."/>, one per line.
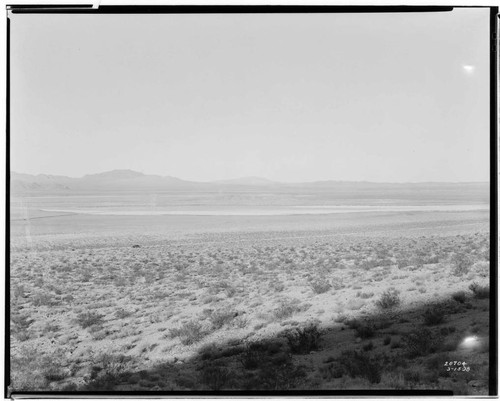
<point x="331" y="371"/>
<point x="31" y="371"/>
<point x="105" y="372"/>
<point x="87" y="319"/>
<point x="305" y="340"/>
<point x="286" y="376"/>
<point x="269" y="366"/>
<point x="403" y="262"/>
<point x="257" y="353"/>
<point x="433" y="316"/>
<point x="479" y="291"/>
<point x="43" y="299"/>
<point x="20" y="322"/>
<point x="459" y="297"/>
<point x="357" y="364"/>
<point x="447" y="330"/>
<point x="254" y="355"/>
<point x="365" y="331"/>
<point x="215" y="375"/>
<point x="368" y="347"/>
<point x="421" y="342"/>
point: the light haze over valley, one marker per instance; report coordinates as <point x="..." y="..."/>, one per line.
<point x="127" y="192"/>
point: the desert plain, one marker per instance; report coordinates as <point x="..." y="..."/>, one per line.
<point x="383" y="298"/>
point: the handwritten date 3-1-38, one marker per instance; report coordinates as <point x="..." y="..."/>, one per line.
<point x="456" y="366"/>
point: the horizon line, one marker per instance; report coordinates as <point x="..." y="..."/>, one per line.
<point x="258" y="177"/>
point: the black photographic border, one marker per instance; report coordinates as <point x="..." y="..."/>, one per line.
<point x="269" y="9"/>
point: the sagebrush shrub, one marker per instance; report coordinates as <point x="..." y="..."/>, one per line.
<point x="221" y="318"/>
<point x="357" y="364"/>
<point x="368" y="346"/>
<point x="433" y="316"/>
<point x="277" y="286"/>
<point x="479" y="291"/>
<point x="432" y="259"/>
<point x="435" y="362"/>
<point x="122" y="313"/>
<point x="482" y="268"/>
<point x="331" y="371"/>
<point x="303" y="341"/>
<point x="285" y="376"/>
<point x="341" y="318"/>
<point x="365" y="330"/>
<point x="368" y="264"/>
<point x="447" y="330"/>
<point x="54" y="372"/>
<point x="389" y="299"/>
<point x="105" y="371"/>
<point x="417" y="261"/>
<point x="320" y="286"/>
<point x="230" y="291"/>
<point x="88" y="319"/>
<point x="31" y="371"/>
<point x="215" y="376"/>
<point x="18" y="291"/>
<point x="189" y="333"/>
<point x="412" y="376"/>
<point x="461" y="264"/>
<point x="42" y="299"/>
<point x="209" y="351"/>
<point x="286" y="309"/>
<point x="253" y="356"/>
<point x="240" y="322"/>
<point x="402" y="263"/>
<point x="421" y="342"/>
<point x="21" y="322"/>
<point x="459" y="296"/>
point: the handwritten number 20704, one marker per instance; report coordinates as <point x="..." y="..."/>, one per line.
<point x="456" y="366"/>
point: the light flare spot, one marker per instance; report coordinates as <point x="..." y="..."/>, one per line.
<point x="470" y="342"/>
<point x="469" y="69"/>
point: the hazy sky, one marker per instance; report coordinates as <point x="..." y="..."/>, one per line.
<point x="290" y="97"/>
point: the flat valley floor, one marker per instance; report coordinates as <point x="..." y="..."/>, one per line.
<point x="377" y="300"/>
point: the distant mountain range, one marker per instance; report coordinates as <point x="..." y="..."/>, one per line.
<point x="116" y="179"/>
<point x="124" y="180"/>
